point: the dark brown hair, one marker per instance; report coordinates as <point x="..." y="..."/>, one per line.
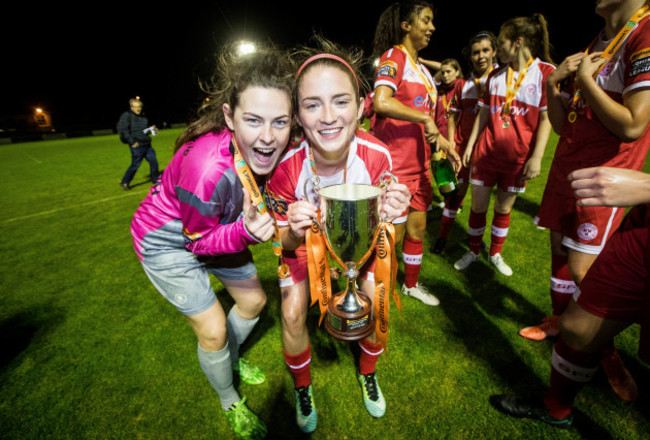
<point x="266" y="67"/>
<point x="389" y="30"/>
<point x="534" y="31"/>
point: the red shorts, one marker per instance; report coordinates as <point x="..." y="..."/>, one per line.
<point x="421" y="193"/>
<point x="585" y="229"/>
<point x="616" y="285"/>
<point x="506" y="180"/>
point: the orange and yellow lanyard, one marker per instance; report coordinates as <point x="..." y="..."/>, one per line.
<point x="248" y="182"/>
<point x="511" y="90"/>
<point x="616" y="43"/>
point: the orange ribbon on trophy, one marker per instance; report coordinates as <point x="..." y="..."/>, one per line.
<point x="385" y="277"/>
<point x="320" y="284"/>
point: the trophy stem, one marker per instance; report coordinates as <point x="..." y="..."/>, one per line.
<point x="350" y="311"/>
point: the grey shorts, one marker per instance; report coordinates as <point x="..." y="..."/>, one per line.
<point x="183" y="277"/>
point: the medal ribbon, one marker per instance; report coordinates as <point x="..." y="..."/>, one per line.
<point x="446" y="104"/>
<point x="616" y="43"/>
<point x="477" y="82"/>
<point x="428" y="84"/>
<point x="248" y="182"/>
<point x="511" y="91"/>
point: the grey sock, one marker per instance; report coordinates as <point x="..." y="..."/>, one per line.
<point x="217" y="367"/>
<point x="238" y="330"/>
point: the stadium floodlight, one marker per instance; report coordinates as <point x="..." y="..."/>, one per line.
<point x="245" y="47"/>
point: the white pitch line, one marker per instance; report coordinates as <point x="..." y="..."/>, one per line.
<point x="52" y="211"/>
<point x="32" y="157"/>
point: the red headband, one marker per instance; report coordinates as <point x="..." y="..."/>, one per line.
<point x="332" y="57"/>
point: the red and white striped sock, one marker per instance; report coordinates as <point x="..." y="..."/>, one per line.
<point x="500" y="227"/>
<point x="412" y="257"/>
<point x="299" y="367"/>
<point x="476" y="228"/>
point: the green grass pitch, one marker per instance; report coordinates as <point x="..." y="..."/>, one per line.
<point x="90" y="350"/>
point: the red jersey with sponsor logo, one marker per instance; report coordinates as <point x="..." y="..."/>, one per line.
<point x="500" y="147"/>
<point x="586" y="142"/>
<point x="368" y="158"/>
<point x="465" y="105"/>
<point x="410" y="152"/>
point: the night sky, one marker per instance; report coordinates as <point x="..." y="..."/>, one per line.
<point x="83" y="71"/>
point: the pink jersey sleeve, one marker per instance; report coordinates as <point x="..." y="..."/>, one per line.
<point x="211" y="199"/>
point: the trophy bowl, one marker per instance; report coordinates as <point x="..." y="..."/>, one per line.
<point x="350" y="216"/>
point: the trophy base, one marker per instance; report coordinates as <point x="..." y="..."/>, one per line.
<point x="349" y="326"/>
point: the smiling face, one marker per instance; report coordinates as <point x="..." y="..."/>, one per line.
<point x="261" y="123"/>
<point x="420" y="29"/>
<point x="328" y="111"/>
<point x="482" y="56"/>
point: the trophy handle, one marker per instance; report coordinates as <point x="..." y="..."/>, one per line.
<point x="316" y="182"/>
<point x="386" y="179"/>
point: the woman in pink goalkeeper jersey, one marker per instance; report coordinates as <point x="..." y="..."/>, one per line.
<point x="481" y="55"/>
<point x="404" y="103"/>
<point x="200" y="220"/>
<point x="334" y="149"/>
<point x="507" y="142"/>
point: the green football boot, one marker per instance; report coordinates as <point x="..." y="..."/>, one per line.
<point x="248" y="373"/>
<point x="372" y="395"/>
<point x="306" y="416"/>
<point x="246" y="425"/>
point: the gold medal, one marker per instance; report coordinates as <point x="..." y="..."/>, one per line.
<point x="505" y="124"/>
<point x="283" y="271"/>
<point x="572" y="116"/>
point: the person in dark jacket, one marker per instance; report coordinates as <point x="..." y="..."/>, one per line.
<point x="134" y="130"/>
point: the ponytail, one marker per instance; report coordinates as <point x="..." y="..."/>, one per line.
<point x="534" y="31"/>
<point x="543" y="44"/>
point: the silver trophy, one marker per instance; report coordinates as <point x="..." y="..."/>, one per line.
<point x="350" y="216"/>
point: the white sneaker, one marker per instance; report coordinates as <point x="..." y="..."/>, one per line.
<point x="465" y="260"/>
<point x="497" y="261"/>
<point x="420" y="292"/>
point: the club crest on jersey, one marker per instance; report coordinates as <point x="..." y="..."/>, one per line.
<point x="587" y="231"/>
<point x="387" y="68"/>
<point x="531" y="89"/>
<point x="640" y="62"/>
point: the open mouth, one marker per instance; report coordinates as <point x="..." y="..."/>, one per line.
<point x="264" y="156"/>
